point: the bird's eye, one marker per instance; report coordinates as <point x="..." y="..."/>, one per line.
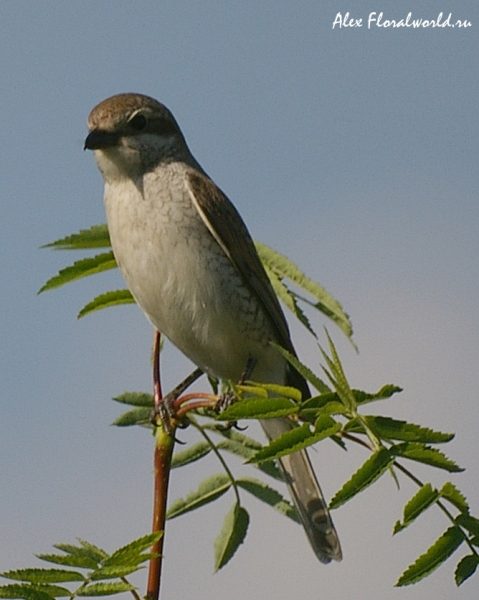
<point x="138" y="122"/>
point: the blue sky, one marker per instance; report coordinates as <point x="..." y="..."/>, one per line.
<point x="352" y="151"/>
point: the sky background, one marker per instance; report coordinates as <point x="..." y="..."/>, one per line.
<point x="352" y="151"/>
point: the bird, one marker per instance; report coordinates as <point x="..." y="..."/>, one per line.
<point x="192" y="268"/>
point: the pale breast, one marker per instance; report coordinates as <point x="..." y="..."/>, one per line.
<point x="183" y="281"/>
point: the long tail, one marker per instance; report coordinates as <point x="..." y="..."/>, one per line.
<point x="307" y="496"/>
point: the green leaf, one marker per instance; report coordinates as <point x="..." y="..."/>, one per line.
<point x="326" y="304"/>
<point x="288" y="298"/>
<point x="115" y="571"/>
<point x="421" y="501"/>
<point x="297" y="439"/>
<point x="26" y="591"/>
<point x="54" y="591"/>
<point x="70" y="560"/>
<point x="209" y="490"/>
<point x="367" y="474"/>
<point x="384" y="393"/>
<point x="325" y="403"/>
<point x="81" y="268"/>
<point x="392" y="429"/>
<point x="455" y="497"/>
<point x="113" y="298"/>
<point x="427" y="455"/>
<point x="466" y="567"/>
<point x="132" y="553"/>
<point x="135" y="399"/>
<point x="259" y="408"/>
<point x="105" y="589"/>
<point x="273" y="389"/>
<point x="33" y="591"/>
<point x="240" y="445"/>
<point x="231" y="536"/>
<point x="337" y="376"/>
<point x="95" y="237"/>
<point x="136" y="416"/>
<point x="269" y="496"/>
<point x="439" y="552"/>
<point x="85" y="549"/>
<point x="190" y="454"/>
<point x="44" y="575"/>
<point x="468" y="522"/>
<point x="237" y="448"/>
<point x="303" y="370"/>
<point x="253" y="389"/>
<point x="331" y="403"/>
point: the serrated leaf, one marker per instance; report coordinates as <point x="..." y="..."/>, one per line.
<point x="209" y="490"/>
<point x="367" y="474"/>
<point x="466" y="567"/>
<point x="38" y="575"/>
<point x="114" y="572"/>
<point x="238" y="448"/>
<point x="136" y="416"/>
<point x="303" y="370"/>
<point x="231" y="536"/>
<point x="135" y="399"/>
<point x="85" y="549"/>
<point x="95" y="237"/>
<point x="106" y="300"/>
<point x="337" y="376"/>
<point x="421" y="501"/>
<point x="229" y="433"/>
<point x="54" y="591"/>
<point x="28" y="592"/>
<point x="284" y="268"/>
<point x="393" y="429"/>
<point x="288" y="299"/>
<point x="190" y="454"/>
<point x="259" y="408"/>
<point x="70" y="560"/>
<point x="427" y="455"/>
<point x="384" y="393"/>
<point x="132" y="553"/>
<point x="328" y="403"/>
<point x="439" y="552"/>
<point x="297" y="439"/>
<point x="269" y="496"/>
<point x="81" y="268"/>
<point x="468" y="522"/>
<point x="450" y="492"/>
<point x="105" y="589"/>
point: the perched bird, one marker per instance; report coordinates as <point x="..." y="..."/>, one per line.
<point x="192" y="267"/>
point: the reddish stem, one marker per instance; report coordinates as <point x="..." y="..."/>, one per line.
<point x="163" y="452"/>
<point x="162" y="466"/>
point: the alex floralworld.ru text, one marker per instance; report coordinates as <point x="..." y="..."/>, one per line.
<point x="378" y="20"/>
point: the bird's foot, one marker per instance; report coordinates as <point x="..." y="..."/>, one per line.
<point x="166" y="409"/>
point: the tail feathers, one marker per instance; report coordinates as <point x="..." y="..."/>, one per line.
<point x="307" y="496"/>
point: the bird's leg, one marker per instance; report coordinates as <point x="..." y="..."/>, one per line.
<point x="229" y="397"/>
<point x="157" y="393"/>
<point x="169" y="400"/>
<point x="167" y="410"/>
<point x="250" y="365"/>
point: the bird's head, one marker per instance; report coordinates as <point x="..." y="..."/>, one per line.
<point x="131" y="134"/>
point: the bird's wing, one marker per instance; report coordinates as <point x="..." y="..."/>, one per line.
<point x="227" y="227"/>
